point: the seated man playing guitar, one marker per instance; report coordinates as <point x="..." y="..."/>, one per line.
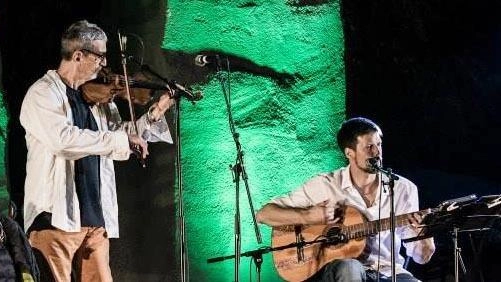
<point x="354" y="205"/>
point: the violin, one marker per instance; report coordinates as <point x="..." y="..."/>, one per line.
<point x="107" y="85"/>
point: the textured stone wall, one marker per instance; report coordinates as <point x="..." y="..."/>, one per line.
<point x="287" y="101"/>
<point x="4" y="118"/>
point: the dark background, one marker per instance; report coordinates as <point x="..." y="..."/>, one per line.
<point x="428" y="71"/>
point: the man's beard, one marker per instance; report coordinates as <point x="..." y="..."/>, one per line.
<point x="367" y="169"/>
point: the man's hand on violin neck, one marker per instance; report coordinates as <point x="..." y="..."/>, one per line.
<point x="137" y="142"/>
<point x="166" y="101"/>
<point x="157" y="110"/>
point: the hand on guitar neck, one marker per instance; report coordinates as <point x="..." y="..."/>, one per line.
<point x="416" y="218"/>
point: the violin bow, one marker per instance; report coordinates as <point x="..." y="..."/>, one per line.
<point x="122" y="40"/>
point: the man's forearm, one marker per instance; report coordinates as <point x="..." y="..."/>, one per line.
<point x="273" y="215"/>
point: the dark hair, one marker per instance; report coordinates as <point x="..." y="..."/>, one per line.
<point x="80" y="35"/>
<point x="354" y="127"/>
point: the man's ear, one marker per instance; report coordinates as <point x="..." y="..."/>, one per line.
<point x="348" y="152"/>
<point x="77" y="56"/>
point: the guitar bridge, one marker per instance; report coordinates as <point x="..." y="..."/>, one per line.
<point x="299" y="242"/>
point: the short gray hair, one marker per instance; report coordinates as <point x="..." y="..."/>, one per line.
<point x="80" y="35"/>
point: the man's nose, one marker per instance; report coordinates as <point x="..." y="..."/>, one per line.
<point x="103" y="62"/>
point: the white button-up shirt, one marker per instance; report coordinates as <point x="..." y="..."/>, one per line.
<point x="54" y="143"/>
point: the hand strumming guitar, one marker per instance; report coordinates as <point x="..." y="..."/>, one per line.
<point x="321" y="213"/>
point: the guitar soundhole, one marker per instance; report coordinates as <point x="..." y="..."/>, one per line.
<point x="333" y="231"/>
<point x="334" y="236"/>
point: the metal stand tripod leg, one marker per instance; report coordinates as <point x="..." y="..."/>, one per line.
<point x="457" y="256"/>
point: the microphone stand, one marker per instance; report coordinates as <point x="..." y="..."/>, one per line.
<point x="390" y="184"/>
<point x="183" y="248"/>
<point x="238" y="172"/>
<point x="179" y="89"/>
<point x="257" y="255"/>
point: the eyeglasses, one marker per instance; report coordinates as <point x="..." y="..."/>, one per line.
<point x="100" y="56"/>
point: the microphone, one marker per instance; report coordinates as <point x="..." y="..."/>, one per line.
<point x="374" y="164"/>
<point x="202" y="60"/>
<point x="186" y="93"/>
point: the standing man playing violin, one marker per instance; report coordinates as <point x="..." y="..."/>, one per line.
<point x="70" y="205"/>
<point x="359" y="186"/>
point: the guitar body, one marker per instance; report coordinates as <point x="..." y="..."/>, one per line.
<point x="315" y="256"/>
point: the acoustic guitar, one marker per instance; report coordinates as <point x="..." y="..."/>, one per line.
<point x="343" y="240"/>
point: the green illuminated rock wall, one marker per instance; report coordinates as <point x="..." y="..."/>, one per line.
<point x="287" y="108"/>
<point x="4" y="195"/>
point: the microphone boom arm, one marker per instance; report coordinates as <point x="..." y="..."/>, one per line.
<point x="179" y="89"/>
<point x="388" y="172"/>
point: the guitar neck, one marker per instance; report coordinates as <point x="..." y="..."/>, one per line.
<point x="373" y="227"/>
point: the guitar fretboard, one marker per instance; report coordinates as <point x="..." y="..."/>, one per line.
<point x="373" y="227"/>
